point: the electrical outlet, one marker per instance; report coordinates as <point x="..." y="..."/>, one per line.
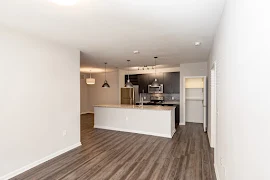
<point x="221" y="161"/>
<point x="64" y="133"/>
<point x="126" y="118"/>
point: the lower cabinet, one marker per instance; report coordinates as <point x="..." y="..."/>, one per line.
<point x="177" y="116"/>
<point x="177" y="112"/>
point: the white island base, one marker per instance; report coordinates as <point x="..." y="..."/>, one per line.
<point x="150" y="120"/>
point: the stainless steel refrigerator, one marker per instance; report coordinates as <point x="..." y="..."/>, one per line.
<point x="127" y="96"/>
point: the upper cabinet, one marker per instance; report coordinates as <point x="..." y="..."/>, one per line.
<point x="143" y="81"/>
<point x="133" y="79"/>
<point x="176" y="82"/>
<point x="168" y="83"/>
<point x="172" y="82"/>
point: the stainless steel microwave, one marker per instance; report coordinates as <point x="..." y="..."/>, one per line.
<point x="155" y="89"/>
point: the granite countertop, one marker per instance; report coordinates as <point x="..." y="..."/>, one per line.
<point x="145" y="107"/>
<point x="165" y="102"/>
<point x="171" y="102"/>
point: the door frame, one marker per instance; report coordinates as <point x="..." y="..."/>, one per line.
<point x="184" y="96"/>
<point x="213" y="109"/>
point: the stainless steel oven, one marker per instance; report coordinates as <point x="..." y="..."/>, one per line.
<point x="155" y="89"/>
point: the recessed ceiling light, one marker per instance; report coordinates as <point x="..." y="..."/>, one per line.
<point x="136" y="52"/>
<point x="65" y="2"/>
<point x="197" y="43"/>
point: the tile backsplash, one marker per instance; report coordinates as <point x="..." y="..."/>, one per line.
<point x="167" y="97"/>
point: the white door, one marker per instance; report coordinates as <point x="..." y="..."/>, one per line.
<point x="204" y="104"/>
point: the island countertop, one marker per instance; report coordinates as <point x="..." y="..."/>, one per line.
<point x="145" y="107"/>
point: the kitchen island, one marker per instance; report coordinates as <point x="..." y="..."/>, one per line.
<point x="150" y="120"/>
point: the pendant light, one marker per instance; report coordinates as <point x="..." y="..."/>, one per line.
<point x="105" y="84"/>
<point x="90" y="80"/>
<point x="155" y="83"/>
<point x="128" y="84"/>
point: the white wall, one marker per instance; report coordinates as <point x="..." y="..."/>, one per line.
<point x="95" y="94"/>
<point x="39" y="98"/>
<point x="190" y="69"/>
<point x="241" y="50"/>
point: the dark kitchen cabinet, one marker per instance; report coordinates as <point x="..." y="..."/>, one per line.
<point x="168" y="83"/>
<point x="159" y="76"/>
<point x="143" y="81"/>
<point x="172" y="82"/>
<point x="133" y="79"/>
<point x="177" y="116"/>
<point x="176" y="82"/>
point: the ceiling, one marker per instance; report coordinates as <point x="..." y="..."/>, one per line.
<point x="110" y="30"/>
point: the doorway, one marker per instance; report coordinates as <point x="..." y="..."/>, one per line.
<point x="195" y="101"/>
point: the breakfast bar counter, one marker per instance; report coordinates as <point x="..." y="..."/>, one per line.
<point x="150" y="120"/>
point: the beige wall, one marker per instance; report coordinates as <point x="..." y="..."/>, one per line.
<point x="95" y="94"/>
<point x="84" y="95"/>
<point x="39" y="99"/>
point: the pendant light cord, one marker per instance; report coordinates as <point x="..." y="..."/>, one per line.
<point x="105" y="71"/>
<point x="155" y="67"/>
<point x="128" y="68"/>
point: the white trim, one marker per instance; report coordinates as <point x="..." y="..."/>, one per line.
<point x="182" y="123"/>
<point x="213" y="108"/>
<point x="217" y="173"/>
<point x="135" y="131"/>
<point x="87" y="112"/>
<point x="173" y="133"/>
<point x="38" y="162"/>
<point x="184" y="101"/>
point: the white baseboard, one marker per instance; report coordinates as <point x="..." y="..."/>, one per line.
<point x="88" y="112"/>
<point x="173" y="132"/>
<point x="182" y="124"/>
<point x="134" y="131"/>
<point x="38" y="162"/>
<point x="216" y="170"/>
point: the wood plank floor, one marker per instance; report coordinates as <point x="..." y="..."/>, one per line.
<point x="115" y="155"/>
